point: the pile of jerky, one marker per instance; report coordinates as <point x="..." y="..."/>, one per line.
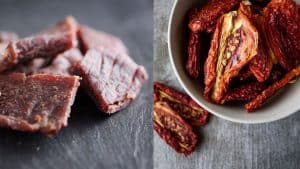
<point x="40" y="75"/>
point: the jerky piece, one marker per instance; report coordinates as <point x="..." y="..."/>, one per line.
<point x="6" y="37"/>
<point x="205" y="17"/>
<point x="272" y="89"/>
<point x="234" y="44"/>
<point x="282" y="24"/>
<point x="244" y="92"/>
<point x="113" y="82"/>
<point x="184" y="105"/>
<point x="92" y="39"/>
<point x="30" y="67"/>
<point x="46" y="44"/>
<point x="63" y="62"/>
<point x="173" y="129"/>
<point x="36" y="103"/>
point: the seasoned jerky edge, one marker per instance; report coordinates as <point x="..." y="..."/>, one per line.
<point x="234" y="44"/>
<point x="282" y="24"/>
<point x="173" y="129"/>
<point x="90" y="38"/>
<point x="185" y="106"/>
<point x="37" y="103"/>
<point x="112" y="82"/>
<point x="194" y="50"/>
<point x="272" y="89"/>
<point x="63" y="63"/>
<point x="205" y="17"/>
<point x="47" y="44"/>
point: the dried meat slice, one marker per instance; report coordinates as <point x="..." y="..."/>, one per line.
<point x="47" y="44"/>
<point x="30" y="67"/>
<point x="113" y="82"/>
<point x="89" y="38"/>
<point x="36" y="103"/>
<point x="63" y="62"/>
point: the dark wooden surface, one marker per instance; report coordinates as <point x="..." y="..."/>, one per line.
<point x="223" y="144"/>
<point x="91" y="141"/>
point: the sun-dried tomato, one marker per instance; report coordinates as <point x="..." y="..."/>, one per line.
<point x="173" y="129"/>
<point x="276" y="74"/>
<point x="245" y="74"/>
<point x="234" y="44"/>
<point x="261" y="64"/>
<point x="194" y="50"/>
<point x="205" y="17"/>
<point x="272" y="89"/>
<point x="244" y="92"/>
<point x="185" y="106"/>
<point x="282" y="24"/>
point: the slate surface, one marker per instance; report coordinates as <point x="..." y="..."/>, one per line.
<point x="91" y="141"/>
<point x="223" y="144"/>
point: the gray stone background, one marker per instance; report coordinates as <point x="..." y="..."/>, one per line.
<point x="223" y="144"/>
<point x="91" y="141"/>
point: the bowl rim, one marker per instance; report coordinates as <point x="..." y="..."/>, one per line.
<point x="182" y="84"/>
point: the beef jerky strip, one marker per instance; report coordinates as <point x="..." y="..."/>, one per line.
<point x="113" y="82"/>
<point x="90" y="38"/>
<point x="46" y="44"/>
<point x="37" y="103"/>
<point x="272" y="89"/>
<point x="30" y="67"/>
<point x="206" y="16"/>
<point x="63" y="62"/>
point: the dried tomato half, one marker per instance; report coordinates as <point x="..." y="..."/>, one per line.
<point x="272" y="89"/>
<point x="282" y="25"/>
<point x="244" y="92"/>
<point x="261" y="64"/>
<point x="173" y="129"/>
<point x="185" y="106"/>
<point x="205" y="17"/>
<point x="194" y="50"/>
<point x="234" y="44"/>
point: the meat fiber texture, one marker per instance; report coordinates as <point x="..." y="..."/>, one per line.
<point x="36" y="103"/>
<point x="112" y="81"/>
<point x="48" y="43"/>
<point x="37" y="82"/>
<point x="90" y="38"/>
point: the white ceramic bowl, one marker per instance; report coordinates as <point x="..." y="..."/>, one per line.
<point x="282" y="105"/>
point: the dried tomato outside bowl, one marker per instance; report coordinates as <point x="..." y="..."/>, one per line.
<point x="280" y="105"/>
